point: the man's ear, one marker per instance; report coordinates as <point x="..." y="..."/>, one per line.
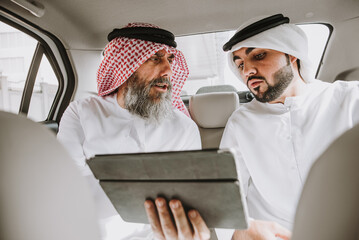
<point x="292" y="59"/>
<point x="294" y="62"/>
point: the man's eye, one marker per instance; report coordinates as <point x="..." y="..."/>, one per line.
<point x="260" y="56"/>
<point x="154" y="58"/>
<point x="241" y="65"/>
<point x="171" y="60"/>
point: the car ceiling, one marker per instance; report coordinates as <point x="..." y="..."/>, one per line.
<point x="84" y="24"/>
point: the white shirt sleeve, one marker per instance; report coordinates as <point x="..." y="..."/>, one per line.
<point x="352" y="99"/>
<point x="71" y="135"/>
<point x="230" y="140"/>
<point x="193" y="141"/>
<point x="185" y="133"/>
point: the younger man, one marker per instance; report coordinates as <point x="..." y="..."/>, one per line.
<point x="289" y="124"/>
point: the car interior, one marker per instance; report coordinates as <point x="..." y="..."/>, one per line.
<point x="50" y="52"/>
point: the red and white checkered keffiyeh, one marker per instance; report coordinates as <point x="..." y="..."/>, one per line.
<point x="123" y="56"/>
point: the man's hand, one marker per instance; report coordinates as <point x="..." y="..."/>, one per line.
<point x="262" y="230"/>
<point x="164" y="228"/>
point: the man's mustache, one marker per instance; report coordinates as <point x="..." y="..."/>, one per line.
<point x="255" y="77"/>
<point x="160" y="80"/>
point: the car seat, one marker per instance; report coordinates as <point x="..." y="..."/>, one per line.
<point x="211" y="111"/>
<point x="329" y="205"/>
<point x="43" y="195"/>
<point x="216" y="88"/>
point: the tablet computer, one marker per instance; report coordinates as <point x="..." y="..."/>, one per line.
<point x="205" y="180"/>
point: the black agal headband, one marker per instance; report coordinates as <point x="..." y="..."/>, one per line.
<point x="157" y="35"/>
<point x="255" y="28"/>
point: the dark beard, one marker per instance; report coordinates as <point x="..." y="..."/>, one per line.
<point x="140" y="101"/>
<point x="282" y="78"/>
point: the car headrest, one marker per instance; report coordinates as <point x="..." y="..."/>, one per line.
<point x="216" y="88"/>
<point x="43" y="195"/>
<point x="212" y="110"/>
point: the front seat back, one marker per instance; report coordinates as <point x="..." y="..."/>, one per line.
<point x="43" y="195"/>
<point x="329" y="205"/>
<point x="211" y="112"/>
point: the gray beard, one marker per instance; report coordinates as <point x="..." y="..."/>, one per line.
<point x="138" y="100"/>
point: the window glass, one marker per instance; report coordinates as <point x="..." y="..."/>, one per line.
<point x="16" y="50"/>
<point x="16" y="54"/>
<point x="44" y="91"/>
<point x="208" y="64"/>
<point x="317" y="35"/>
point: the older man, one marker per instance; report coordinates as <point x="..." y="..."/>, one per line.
<point x="292" y="120"/>
<point x="138" y="109"/>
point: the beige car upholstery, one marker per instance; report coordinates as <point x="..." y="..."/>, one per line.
<point x="43" y="195"/>
<point x="216" y="88"/>
<point x="329" y="205"/>
<point x="211" y="111"/>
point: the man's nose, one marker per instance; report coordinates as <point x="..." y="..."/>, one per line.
<point x="166" y="69"/>
<point x="249" y="69"/>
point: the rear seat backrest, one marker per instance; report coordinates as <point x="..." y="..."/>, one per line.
<point x="328" y="208"/>
<point x="43" y="195"/>
<point x="211" y="112"/>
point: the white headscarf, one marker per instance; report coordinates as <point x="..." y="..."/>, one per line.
<point x="287" y="38"/>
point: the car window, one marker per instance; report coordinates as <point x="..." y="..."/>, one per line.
<point x="208" y="64"/>
<point x="21" y="58"/>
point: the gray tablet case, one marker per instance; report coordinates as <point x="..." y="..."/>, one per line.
<point x="205" y="180"/>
